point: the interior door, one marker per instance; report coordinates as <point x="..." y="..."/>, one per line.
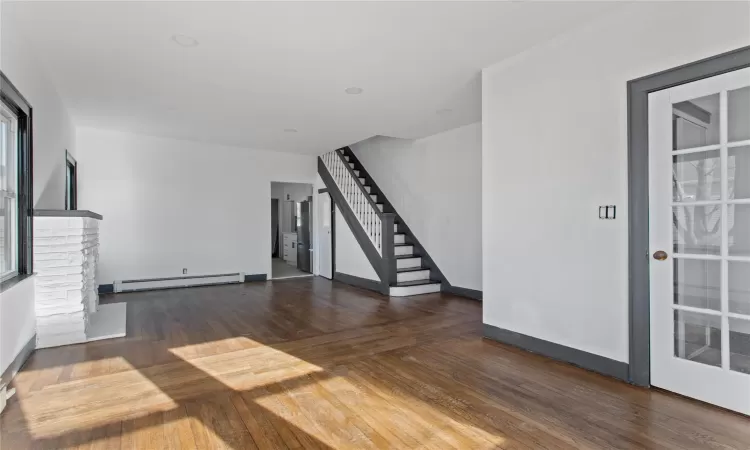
<point x="325" y="249"/>
<point x="303" y="236"/>
<point x="699" y="208"/>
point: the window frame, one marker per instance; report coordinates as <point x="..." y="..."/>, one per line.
<point x="12" y="100"/>
<point x="9" y="119"/>
<point x="71" y="197"/>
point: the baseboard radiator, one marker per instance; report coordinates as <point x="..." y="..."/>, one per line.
<point x="177" y="282"/>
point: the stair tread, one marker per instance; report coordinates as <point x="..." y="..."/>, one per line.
<point x="415" y="283"/>
<point x="407" y="256"/>
<point x="411" y="269"/>
<point x="403" y="245"/>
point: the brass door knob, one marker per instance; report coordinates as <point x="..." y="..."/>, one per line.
<point x="660" y="255"/>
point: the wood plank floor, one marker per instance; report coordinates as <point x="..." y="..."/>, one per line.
<point x="312" y="364"/>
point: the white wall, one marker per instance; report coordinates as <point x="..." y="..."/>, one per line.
<point x="350" y="258"/>
<point x="53" y="133"/>
<point x="53" y="129"/>
<point x="17" y="320"/>
<point x="297" y="192"/>
<point x="435" y="185"/>
<point x="288" y="193"/>
<point x="170" y="204"/>
<point x="277" y="190"/>
<point x="554" y="147"/>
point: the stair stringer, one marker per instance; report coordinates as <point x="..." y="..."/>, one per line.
<point x="356" y="228"/>
<point x="419" y="250"/>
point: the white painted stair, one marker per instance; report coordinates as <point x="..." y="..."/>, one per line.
<point x="413" y="274"/>
<point x="411" y="277"/>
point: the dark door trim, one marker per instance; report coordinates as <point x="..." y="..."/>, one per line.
<point x="639" y="259"/>
<point x="333" y="236"/>
<point x="71" y="182"/>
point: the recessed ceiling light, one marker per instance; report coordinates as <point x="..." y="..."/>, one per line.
<point x="184" y="41"/>
<point x="444" y="111"/>
<point x="290" y="130"/>
<point x="353" y="90"/>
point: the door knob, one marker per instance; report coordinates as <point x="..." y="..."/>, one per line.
<point x="660" y="255"/>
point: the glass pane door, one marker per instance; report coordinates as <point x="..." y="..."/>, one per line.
<point x="699" y="147"/>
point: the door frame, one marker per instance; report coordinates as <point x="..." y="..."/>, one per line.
<point x="333" y="233"/>
<point x="639" y="366"/>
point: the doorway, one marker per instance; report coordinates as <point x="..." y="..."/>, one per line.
<point x="291" y="230"/>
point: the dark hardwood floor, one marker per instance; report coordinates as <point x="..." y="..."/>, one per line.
<point x="312" y="364"/>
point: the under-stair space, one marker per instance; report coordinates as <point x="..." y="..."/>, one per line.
<point x="397" y="255"/>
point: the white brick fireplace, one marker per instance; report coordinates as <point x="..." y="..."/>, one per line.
<point x="66" y="252"/>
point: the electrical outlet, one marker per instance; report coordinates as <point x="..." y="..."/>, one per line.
<point x="184" y="271"/>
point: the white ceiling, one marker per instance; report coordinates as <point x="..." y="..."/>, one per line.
<point x="263" y="67"/>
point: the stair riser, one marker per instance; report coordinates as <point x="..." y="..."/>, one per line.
<point x="414" y="290"/>
<point x="399" y="238"/>
<point x="402" y="251"/>
<point x="374" y="198"/>
<point x="408" y="263"/>
<point x="413" y="276"/>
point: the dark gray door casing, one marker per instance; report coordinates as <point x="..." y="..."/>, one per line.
<point x="303" y="238"/>
<point x="274" y="227"/>
<point x="638" y="202"/>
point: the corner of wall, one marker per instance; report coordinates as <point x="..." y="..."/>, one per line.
<point x="53" y="127"/>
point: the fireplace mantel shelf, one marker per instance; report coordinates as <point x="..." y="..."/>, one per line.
<point x="66" y="213"/>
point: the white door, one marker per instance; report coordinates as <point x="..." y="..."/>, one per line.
<point x="324" y="212"/>
<point x="699" y="200"/>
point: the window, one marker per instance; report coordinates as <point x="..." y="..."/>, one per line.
<point x="15" y="185"/>
<point x="71" y="182"/>
<point x="8" y="194"/>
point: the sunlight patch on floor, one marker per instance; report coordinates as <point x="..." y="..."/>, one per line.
<point x="302" y="405"/>
<point x="209" y="348"/>
<point x="92" y="402"/>
<point x="254" y="367"/>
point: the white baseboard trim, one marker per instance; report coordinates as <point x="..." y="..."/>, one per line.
<point x="188" y="281"/>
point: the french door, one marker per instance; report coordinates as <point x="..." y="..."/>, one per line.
<point x="699" y="231"/>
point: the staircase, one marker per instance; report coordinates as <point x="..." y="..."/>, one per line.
<point x="404" y="267"/>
